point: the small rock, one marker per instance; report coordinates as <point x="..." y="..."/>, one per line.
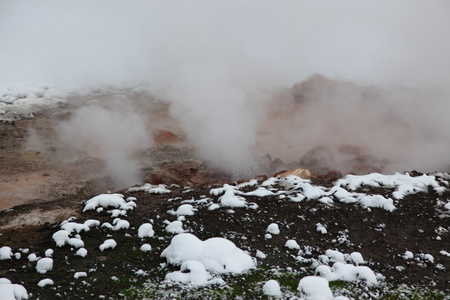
<point x="300" y="172"/>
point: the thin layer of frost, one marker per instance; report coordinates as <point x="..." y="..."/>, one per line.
<point x="218" y="255"/>
<point x="105" y="200"/>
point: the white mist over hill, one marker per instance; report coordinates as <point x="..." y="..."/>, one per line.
<point x="216" y="62"/>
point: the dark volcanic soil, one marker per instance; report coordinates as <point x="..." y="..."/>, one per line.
<point x="382" y="237"/>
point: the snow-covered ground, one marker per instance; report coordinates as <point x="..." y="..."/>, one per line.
<point x="194" y="264"/>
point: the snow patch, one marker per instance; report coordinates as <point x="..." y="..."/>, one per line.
<point x="45" y="282"/>
<point x="218" y="255"/>
<point x="108" y="244"/>
<point x="105" y="200"/>
<point x="44" y="265"/>
<point x="146" y="230"/>
<point x="272" y="288"/>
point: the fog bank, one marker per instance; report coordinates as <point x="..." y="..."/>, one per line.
<point x="217" y="62"/>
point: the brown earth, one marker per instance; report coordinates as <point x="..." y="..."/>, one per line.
<point x="40" y="188"/>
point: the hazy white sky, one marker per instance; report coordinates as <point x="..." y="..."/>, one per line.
<point x="258" y="42"/>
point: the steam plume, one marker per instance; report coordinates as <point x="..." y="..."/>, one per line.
<point x="218" y="61"/>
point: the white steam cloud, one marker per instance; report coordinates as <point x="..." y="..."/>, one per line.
<point x="217" y="62"/>
<point x="109" y="134"/>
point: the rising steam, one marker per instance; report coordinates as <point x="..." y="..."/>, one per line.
<point x="227" y="68"/>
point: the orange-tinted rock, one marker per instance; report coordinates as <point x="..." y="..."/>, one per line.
<point x="300" y="172"/>
<point x="163" y="136"/>
<point x="179" y="173"/>
<point x="210" y="177"/>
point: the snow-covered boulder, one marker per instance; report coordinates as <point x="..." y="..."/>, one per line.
<point x="218" y="255"/>
<point x="314" y="288"/>
<point x="146" y="230"/>
<point x="44" y="265"/>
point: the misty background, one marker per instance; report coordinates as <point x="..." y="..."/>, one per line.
<point x="226" y="66"/>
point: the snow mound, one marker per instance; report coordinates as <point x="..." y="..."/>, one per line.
<point x="260" y="192"/>
<point x="314" y="288"/>
<point x="175" y="227"/>
<point x="79" y="275"/>
<point x="218" y="255"/>
<point x="45" y="282"/>
<point x="152" y="189"/>
<point x="229" y="199"/>
<point x="347" y="272"/>
<point x="108" y="244"/>
<point x="146" y="247"/>
<point x="292" y="244"/>
<point x="5" y="253"/>
<point x="44" y="265"/>
<point x="273" y="229"/>
<point x="146" y="230"/>
<point x="81" y="252"/>
<point x="10" y="291"/>
<point x="61" y="237"/>
<point x="404" y="184"/>
<point x="75" y="242"/>
<point x="272" y="288"/>
<point x="185" y="210"/>
<point x="120" y="224"/>
<point x="193" y="272"/>
<point x="105" y="200"/>
<point x="72" y="226"/>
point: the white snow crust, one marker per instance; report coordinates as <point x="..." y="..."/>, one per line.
<point x="44" y="265"/>
<point x="145" y="230"/>
<point x="218" y="255"/>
